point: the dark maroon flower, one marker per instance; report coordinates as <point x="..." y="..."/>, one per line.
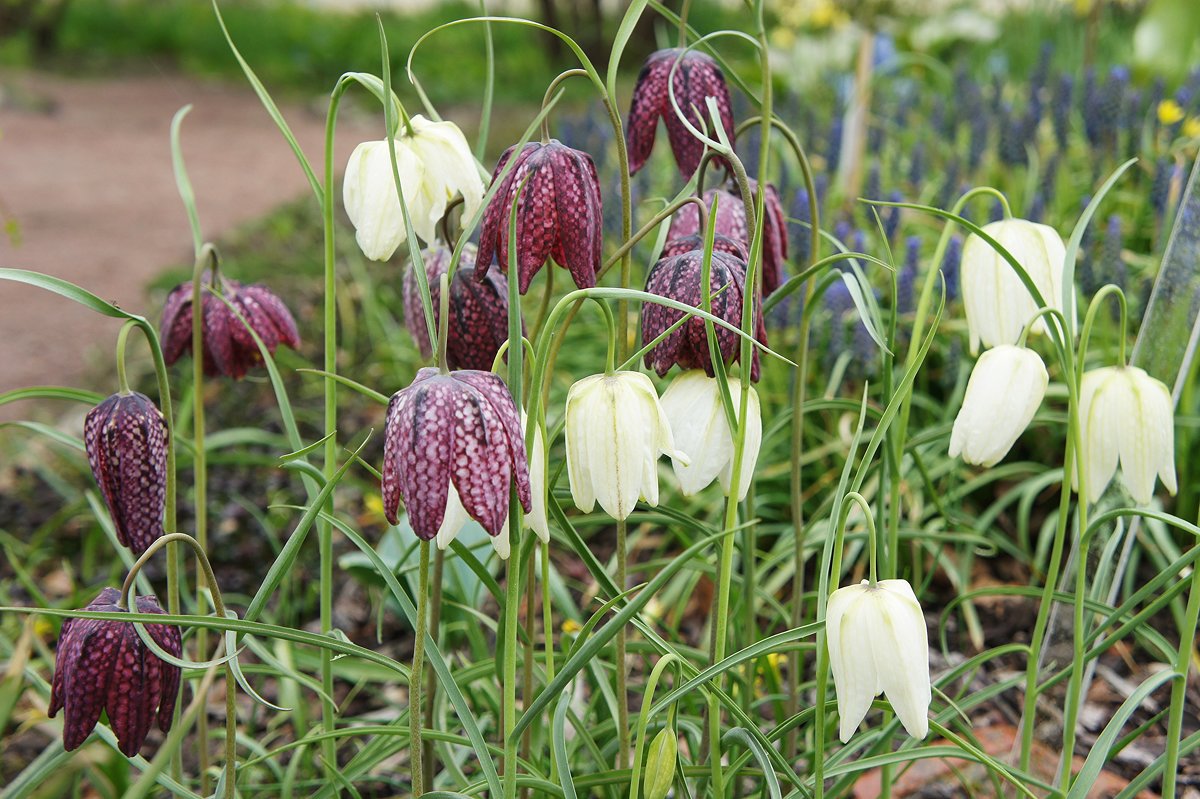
<point x="731" y="222"/>
<point x="453" y="438"/>
<point x="559" y="215"/>
<point x="229" y="349"/>
<point x="478" y="324"/>
<point x="103" y="665"/>
<point x="678" y="278"/>
<point x="696" y="242"/>
<point x="696" y="78"/>
<point x="126" y="441"/>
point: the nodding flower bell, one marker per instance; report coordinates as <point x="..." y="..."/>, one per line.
<point x="229" y="349"/>
<point x="878" y="643"/>
<point x="678" y="278"/>
<point x="700" y="428"/>
<point x="731" y="221"/>
<point x="997" y="304"/>
<point x="697" y="77"/>
<point x="435" y="165"/>
<point x="126" y="441"/>
<point x="1003" y="393"/>
<point x="478" y="324"/>
<point x="615" y="432"/>
<point x="559" y="215"/>
<point x="103" y="665"/>
<point x="1127" y="416"/>
<point x="452" y="449"/>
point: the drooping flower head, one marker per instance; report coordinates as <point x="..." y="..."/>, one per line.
<point x="229" y="349"/>
<point x="997" y="304"/>
<point x="452" y="449"/>
<point x="701" y="431"/>
<point x="102" y="665"/>
<point x="1127" y="416"/>
<point x="679" y="278"/>
<point x="478" y="324"/>
<point x="559" y="215"/>
<point x="1003" y="393"/>
<point x="615" y="433"/>
<point x="435" y="165"/>
<point x="878" y="643"/>
<point x="126" y="441"/>
<point x="697" y="78"/>
<point x="731" y="222"/>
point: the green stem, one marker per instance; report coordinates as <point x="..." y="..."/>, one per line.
<point x="435" y="623"/>
<point x="548" y="96"/>
<point x="511" y="598"/>
<point x="443" y="322"/>
<point x="619" y="660"/>
<point x="122" y="339"/>
<point x="1085" y="332"/>
<point x="626" y="219"/>
<point x="683" y="18"/>
<point x="1187" y="643"/>
<point x="206" y="257"/>
<point x="418" y="668"/>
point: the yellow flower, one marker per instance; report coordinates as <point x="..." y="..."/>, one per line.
<point x="1169" y="112"/>
<point x="1191" y="128"/>
<point x="571" y="626"/>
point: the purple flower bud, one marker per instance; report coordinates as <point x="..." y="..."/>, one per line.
<point x="478" y="324"/>
<point x="457" y="432"/>
<point x="229" y="349"/>
<point x="559" y="215"/>
<point x="731" y="222"/>
<point x="696" y="78"/>
<point x="126" y="441"/>
<point x="103" y="665"/>
<point x="678" y="278"/>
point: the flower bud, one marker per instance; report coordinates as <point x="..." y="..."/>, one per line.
<point x="1003" y="393"/>
<point x="615" y="432"/>
<point x="660" y="764"/>
<point x="126" y="441"/>
<point x="693" y="406"/>
<point x="452" y="448"/>
<point x="559" y="215"/>
<point x="878" y="643"/>
<point x="102" y="665"/>
<point x="1127" y="416"/>
<point x="997" y="304"/>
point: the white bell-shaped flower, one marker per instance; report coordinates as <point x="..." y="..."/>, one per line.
<point x="878" y="643"/>
<point x="435" y="165"/>
<point x="1127" y="416"/>
<point x="456" y="517"/>
<point x="1003" y="393"/>
<point x="536" y="519"/>
<point x="700" y="429"/>
<point x="615" y="432"/>
<point x="997" y="304"/>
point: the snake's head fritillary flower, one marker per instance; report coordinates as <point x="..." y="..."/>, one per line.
<point x="701" y="431"/>
<point x="453" y="448"/>
<point x="731" y="222"/>
<point x="1003" y="393"/>
<point x="102" y="665"/>
<point x="435" y="166"/>
<point x="679" y="278"/>
<point x="537" y="519"/>
<point x="478" y="324"/>
<point x="229" y="349"/>
<point x="126" y="441"/>
<point x="697" y="77"/>
<point x="615" y="432"/>
<point x="878" y="643"/>
<point x="559" y="214"/>
<point x="997" y="304"/>
<point x="1127" y="417"/>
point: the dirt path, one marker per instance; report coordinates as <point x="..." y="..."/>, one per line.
<point x="85" y="172"/>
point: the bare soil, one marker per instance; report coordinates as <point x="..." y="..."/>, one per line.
<point x="86" y="181"/>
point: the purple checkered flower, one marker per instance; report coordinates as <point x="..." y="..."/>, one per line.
<point x="229" y="349"/>
<point x="559" y="216"/>
<point x="677" y="277"/>
<point x="731" y="222"/>
<point x="103" y="665"/>
<point x="126" y="441"/>
<point x="453" y="445"/>
<point x="478" y="324"/>
<point x="696" y="78"/>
